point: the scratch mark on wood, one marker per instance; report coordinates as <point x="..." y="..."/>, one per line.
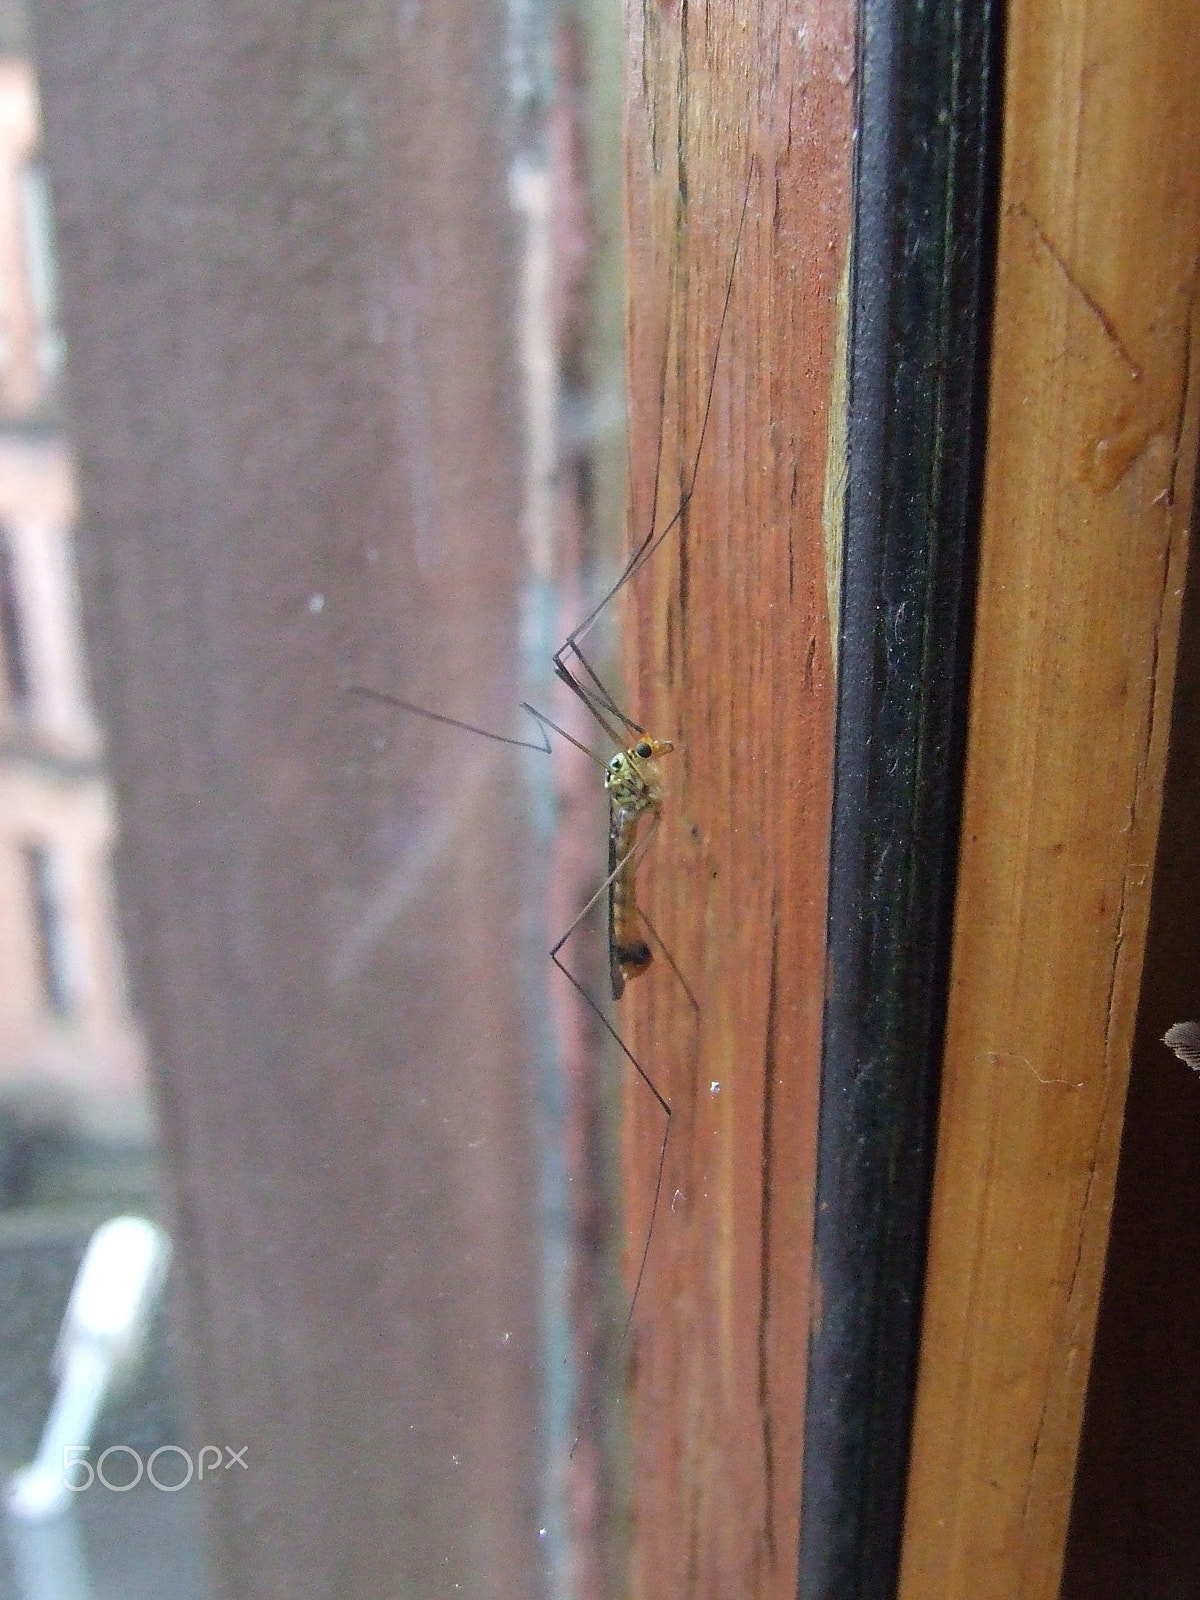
<point x="1089" y="300"/>
<point x="684" y="571"/>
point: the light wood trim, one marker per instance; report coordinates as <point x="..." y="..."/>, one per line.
<point x="1089" y="494"/>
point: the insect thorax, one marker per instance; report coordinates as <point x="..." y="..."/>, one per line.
<point x="625" y="784"/>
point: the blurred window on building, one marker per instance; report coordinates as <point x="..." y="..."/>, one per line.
<point x="37" y="227"/>
<point x="70" y="1058"/>
<point x="52" y="922"/>
<point x="13" y="652"/>
<point x="76" y="1135"/>
<point x="30" y="345"/>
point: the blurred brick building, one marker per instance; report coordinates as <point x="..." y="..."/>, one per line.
<point x="69" y="1053"/>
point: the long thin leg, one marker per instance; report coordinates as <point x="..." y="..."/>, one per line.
<point x="539" y="717"/>
<point x="597" y="697"/>
<point x="670" y="960"/>
<point x="689" y="995"/>
<point x="650" y="540"/>
<point x="632" y="855"/>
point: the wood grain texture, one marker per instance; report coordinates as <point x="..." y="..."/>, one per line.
<point x="731" y="639"/>
<point x="1088" y="500"/>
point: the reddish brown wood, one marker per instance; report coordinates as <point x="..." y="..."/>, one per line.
<point x="732" y="105"/>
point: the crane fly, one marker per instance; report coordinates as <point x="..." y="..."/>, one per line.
<point x="633" y="782"/>
<point x="635" y="789"/>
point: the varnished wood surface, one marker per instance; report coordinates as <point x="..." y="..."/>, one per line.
<point x="732" y="642"/>
<point x="1089" y="495"/>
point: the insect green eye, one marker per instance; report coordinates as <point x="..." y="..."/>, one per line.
<point x="643" y="750"/>
<point x="616" y="764"/>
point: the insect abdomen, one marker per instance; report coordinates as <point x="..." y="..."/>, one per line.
<point x="629" y="954"/>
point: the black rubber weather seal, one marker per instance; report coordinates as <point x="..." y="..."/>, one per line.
<point x="926" y="188"/>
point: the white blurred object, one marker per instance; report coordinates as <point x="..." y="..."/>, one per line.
<point x="1184" y="1039"/>
<point x="101" y="1338"/>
